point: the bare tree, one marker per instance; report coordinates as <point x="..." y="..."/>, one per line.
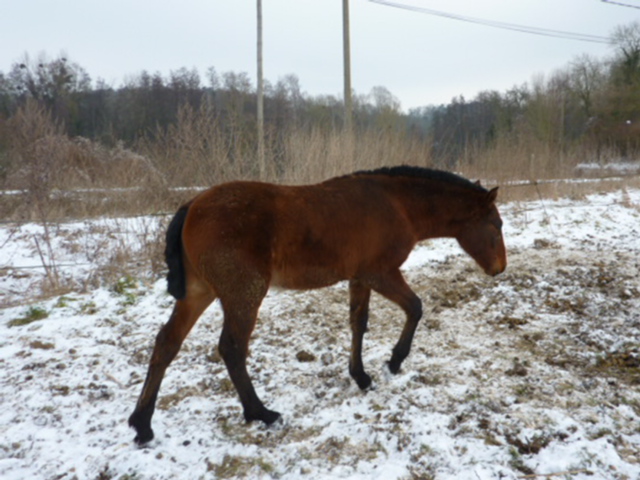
<point x="587" y="79"/>
<point x="625" y="39"/>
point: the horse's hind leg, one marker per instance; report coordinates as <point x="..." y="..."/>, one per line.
<point x="358" y="317"/>
<point x="168" y="342"/>
<point x="394" y="287"/>
<point x="239" y="320"/>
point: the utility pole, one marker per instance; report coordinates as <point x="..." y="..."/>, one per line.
<point x="260" y="98"/>
<point x="348" y="104"/>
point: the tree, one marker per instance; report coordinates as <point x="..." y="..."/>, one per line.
<point x="625" y="39"/>
<point x="619" y="114"/>
<point x="386" y="108"/>
<point x="586" y="80"/>
<point x="56" y="84"/>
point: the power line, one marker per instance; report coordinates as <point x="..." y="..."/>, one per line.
<point x="620" y="4"/>
<point x="503" y="25"/>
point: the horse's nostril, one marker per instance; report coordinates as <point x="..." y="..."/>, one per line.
<point x="497" y="268"/>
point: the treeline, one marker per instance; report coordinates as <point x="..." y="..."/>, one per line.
<point x="147" y="102"/>
<point x="594" y="103"/>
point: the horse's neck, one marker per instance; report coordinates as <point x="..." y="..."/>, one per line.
<point x="434" y="210"/>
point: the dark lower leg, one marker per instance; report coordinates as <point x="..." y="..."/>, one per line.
<point x="140" y="419"/>
<point x="167" y="346"/>
<point x="234" y="353"/>
<point x="402" y="348"/>
<point x="359" y="316"/>
<point x="394" y="287"/>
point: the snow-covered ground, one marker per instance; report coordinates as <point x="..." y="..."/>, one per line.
<point x="534" y="372"/>
<point x="608" y="168"/>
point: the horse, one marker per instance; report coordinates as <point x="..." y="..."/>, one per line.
<point x="235" y="240"/>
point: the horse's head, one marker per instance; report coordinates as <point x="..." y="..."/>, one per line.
<point x="481" y="236"/>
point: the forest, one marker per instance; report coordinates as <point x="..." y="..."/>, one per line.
<point x="59" y="129"/>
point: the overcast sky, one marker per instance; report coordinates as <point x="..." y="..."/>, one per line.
<point x="422" y="59"/>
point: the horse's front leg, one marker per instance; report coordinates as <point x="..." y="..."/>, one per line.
<point x="358" y="317"/>
<point x="394" y="287"/>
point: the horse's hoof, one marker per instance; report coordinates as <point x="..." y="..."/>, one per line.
<point x="364" y="381"/>
<point x="144" y="433"/>
<point x="142" y="438"/>
<point x="267" y="416"/>
<point x="270" y="417"/>
<point x="394" y="366"/>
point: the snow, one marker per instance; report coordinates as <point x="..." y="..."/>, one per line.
<point x="535" y="371"/>
<point x="620" y="168"/>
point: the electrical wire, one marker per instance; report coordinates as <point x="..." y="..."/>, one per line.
<point x="620" y="4"/>
<point x="503" y="25"/>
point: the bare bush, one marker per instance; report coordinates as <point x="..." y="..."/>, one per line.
<point x="63" y="177"/>
<point x="196" y="151"/>
<point x="33" y="134"/>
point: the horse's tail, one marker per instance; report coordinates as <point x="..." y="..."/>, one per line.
<point x="176" y="280"/>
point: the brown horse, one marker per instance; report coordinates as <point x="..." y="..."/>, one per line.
<point x="235" y="240"/>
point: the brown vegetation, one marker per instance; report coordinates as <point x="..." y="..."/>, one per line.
<point x="49" y="175"/>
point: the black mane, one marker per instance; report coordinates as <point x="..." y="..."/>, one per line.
<point x="424" y="173"/>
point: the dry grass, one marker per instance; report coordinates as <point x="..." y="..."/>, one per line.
<point x="522" y="157"/>
<point x="528" y="169"/>
<point x="527" y="190"/>
<point x="312" y="156"/>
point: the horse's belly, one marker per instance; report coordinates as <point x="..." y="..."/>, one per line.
<point x="304" y="278"/>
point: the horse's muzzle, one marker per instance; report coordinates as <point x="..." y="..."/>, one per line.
<point x="497" y="268"/>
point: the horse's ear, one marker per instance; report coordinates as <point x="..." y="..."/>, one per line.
<point x="478" y="183"/>
<point x="492" y="195"/>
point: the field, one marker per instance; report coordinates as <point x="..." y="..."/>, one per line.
<point x="531" y="374"/>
